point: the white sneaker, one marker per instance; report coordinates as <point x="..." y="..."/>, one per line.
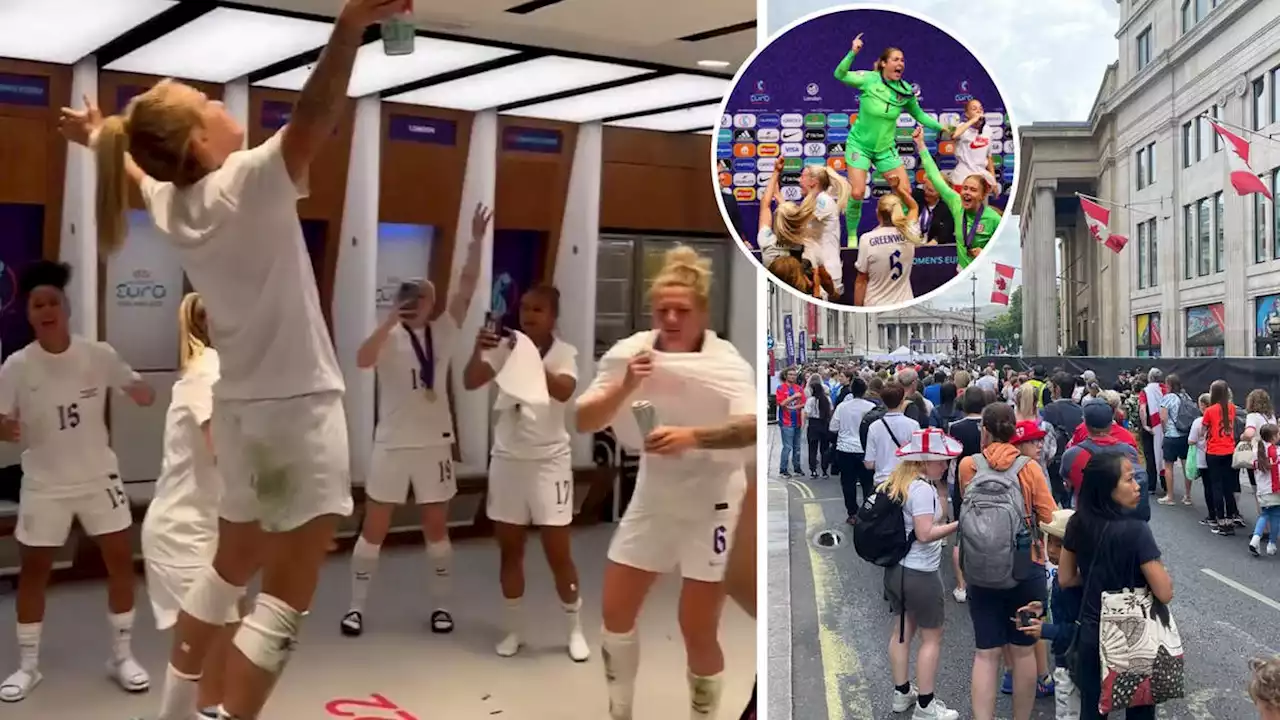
<point x="960" y="594"/>
<point x="129" y="675"/>
<point x="509" y="646"/>
<point x="937" y="710"/>
<point x="1271" y="548"/>
<point x="579" y="651"/>
<point x="902" y="702"/>
<point x="18" y="685"/>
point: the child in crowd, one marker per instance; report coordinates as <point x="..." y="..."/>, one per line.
<point x="1264" y="687"/>
<point x="1057" y="626"/>
<point x="1268" y="488"/>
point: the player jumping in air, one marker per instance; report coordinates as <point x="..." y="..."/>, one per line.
<point x="872" y="139"/>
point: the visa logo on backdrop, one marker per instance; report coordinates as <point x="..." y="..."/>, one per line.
<point x="792" y="149"/>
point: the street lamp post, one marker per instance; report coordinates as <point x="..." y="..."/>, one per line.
<point x="974" y="346"/>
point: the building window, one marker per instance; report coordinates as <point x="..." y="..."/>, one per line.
<point x="1151" y="163"/>
<point x="1142" y="255"/>
<point x="1188" y="241"/>
<point x="1204" y="140"/>
<point x="1206" y="331"/>
<point x="1146" y="334"/>
<point x="1219" y="241"/>
<point x="1259" y="228"/>
<point x="1266" y="311"/>
<point x="1262" y="204"/>
<point x="1203" y="225"/>
<point x="1146" y="161"/>
<point x="1186" y="145"/>
<point x="1141" y="164"/>
<point x="1188" y="15"/>
<point x="1275" y="94"/>
<point x="1259" y="103"/>
<point x="1144" y="47"/>
<point x="1153" y="250"/>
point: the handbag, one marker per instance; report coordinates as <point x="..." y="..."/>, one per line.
<point x="1244" y="457"/>
<point x="1141" y="651"/>
<point x="1191" y="466"/>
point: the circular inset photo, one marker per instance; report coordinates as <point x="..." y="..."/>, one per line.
<point x="864" y="158"/>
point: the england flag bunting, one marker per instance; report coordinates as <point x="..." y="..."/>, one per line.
<point x="1004" y="284"/>
<point x="1099" y="218"/>
<point x="1242" y="176"/>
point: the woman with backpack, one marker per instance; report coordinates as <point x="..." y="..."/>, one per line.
<point x="817" y="411"/>
<point x="1177" y="411"/>
<point x="913" y="586"/>
<point x="1003" y="566"/>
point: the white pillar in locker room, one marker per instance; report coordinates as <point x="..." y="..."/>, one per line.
<point x="355" y="283"/>
<point x="575" y="272"/>
<point x="479" y="183"/>
<point x="79" y="237"/>
<point x="235" y="96"/>
<point x="746" y="288"/>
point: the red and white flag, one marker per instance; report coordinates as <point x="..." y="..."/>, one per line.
<point x="1242" y="176"/>
<point x="1004" y="284"/>
<point x="1099" y="218"/>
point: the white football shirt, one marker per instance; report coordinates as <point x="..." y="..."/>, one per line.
<point x="181" y="527"/>
<point x="691" y="484"/>
<point x="410" y="414"/>
<point x="972" y="150"/>
<point x="885" y="257"/>
<point x="61" y="403"/>
<point x="545" y="435"/>
<point x="241" y="244"/>
<point x="826" y="221"/>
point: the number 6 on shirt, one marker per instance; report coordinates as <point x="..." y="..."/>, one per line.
<point x="895" y="265"/>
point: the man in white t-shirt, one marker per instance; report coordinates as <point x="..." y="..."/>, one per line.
<point x="885" y="258"/>
<point x="413" y="443"/>
<point x="891" y="432"/>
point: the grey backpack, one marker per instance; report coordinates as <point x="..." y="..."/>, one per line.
<point x="995" y="535"/>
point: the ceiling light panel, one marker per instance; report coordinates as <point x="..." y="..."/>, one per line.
<point x="376" y="71"/>
<point x="636" y="97"/>
<point x="516" y="83"/>
<point x="702" y="116"/>
<point x="225" y="44"/>
<point x="64" y="31"/>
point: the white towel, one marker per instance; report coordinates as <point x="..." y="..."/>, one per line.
<point x="702" y="389"/>
<point x="521" y="377"/>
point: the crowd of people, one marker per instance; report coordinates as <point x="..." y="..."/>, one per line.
<point x="256" y="474"/>
<point x="800" y="242"/>
<point x="1044" y="480"/>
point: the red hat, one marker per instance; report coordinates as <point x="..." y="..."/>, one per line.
<point x="1027" y="431"/>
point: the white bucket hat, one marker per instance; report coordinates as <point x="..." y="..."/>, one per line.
<point x="1057" y="528"/>
<point x="930" y="444"/>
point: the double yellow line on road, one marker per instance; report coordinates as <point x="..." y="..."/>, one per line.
<point x="801" y="489"/>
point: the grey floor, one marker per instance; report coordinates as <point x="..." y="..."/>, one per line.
<point x="424" y="676"/>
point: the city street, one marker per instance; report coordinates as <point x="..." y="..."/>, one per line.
<point x="829" y="624"/>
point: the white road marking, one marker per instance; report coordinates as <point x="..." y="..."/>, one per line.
<point x="1246" y="590"/>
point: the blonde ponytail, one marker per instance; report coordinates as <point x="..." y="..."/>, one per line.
<point x="791" y="221"/>
<point x="904" y="473"/>
<point x="833" y="183"/>
<point x="905" y="227"/>
<point x="683" y="267"/>
<point x="113" y="183"/>
<point x="193" y="329"/>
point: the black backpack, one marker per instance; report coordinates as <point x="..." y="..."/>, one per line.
<point x="880" y="533"/>
<point x="873" y="415"/>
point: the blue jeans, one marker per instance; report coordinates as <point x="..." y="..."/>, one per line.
<point x="1267" y="515"/>
<point x="790" y="448"/>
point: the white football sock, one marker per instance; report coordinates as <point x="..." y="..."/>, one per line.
<point x="29" y="645"/>
<point x="121" y="635"/>
<point x="621" y="652"/>
<point x="364" y="562"/>
<point x="178" y="698"/>
<point x="440" y="558"/>
<point x="704" y="696"/>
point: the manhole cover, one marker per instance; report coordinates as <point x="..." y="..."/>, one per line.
<point x="829" y="538"/>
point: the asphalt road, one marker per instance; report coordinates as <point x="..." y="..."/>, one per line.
<point x="828" y="635"/>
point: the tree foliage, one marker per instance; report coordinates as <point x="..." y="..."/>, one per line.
<point x="1004" y="326"/>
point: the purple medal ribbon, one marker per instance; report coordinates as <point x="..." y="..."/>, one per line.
<point x="426" y="356"/>
<point x="973" y="227"/>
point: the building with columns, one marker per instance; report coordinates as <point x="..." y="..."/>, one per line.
<point x="923" y="327"/>
<point x="1148" y="151"/>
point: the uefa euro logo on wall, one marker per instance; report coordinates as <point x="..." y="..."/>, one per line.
<point x="141" y="291"/>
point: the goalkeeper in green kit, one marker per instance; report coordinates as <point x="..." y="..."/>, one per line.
<point x="975" y="220"/>
<point x="873" y="138"/>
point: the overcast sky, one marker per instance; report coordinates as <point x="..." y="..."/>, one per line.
<point x="1054" y="78"/>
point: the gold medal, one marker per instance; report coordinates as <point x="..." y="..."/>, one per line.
<point x="431" y="395"/>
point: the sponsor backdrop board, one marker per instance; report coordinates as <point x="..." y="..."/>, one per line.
<point x="21" y="243"/>
<point x="143" y="290"/>
<point x="788" y="108"/>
